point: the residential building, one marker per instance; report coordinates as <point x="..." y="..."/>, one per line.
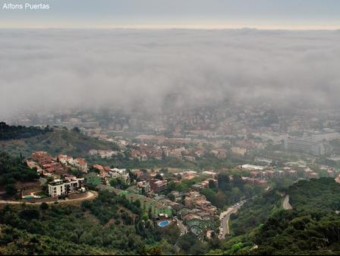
<point x="60" y="187"/>
<point x="158" y="185"/>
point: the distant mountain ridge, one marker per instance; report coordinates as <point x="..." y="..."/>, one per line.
<point x="8" y="132"/>
<point x="23" y="140"/>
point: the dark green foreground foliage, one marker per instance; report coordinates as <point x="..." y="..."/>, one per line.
<point x="312" y="227"/>
<point x="110" y="224"/>
<point x="17" y="242"/>
<point x="294" y="232"/>
<point x="12" y="170"/>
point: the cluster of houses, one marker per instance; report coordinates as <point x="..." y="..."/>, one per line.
<point x="103" y="153"/>
<point x="54" y="166"/>
<point x="77" y="163"/>
<point x="195" y="200"/>
<point x="192" y="208"/>
<point x="152" y="186"/>
<point x="45" y="164"/>
<point x="158" y="147"/>
<point x="197" y="213"/>
<point x="261" y="175"/>
<point x="58" y="168"/>
<point x="107" y="173"/>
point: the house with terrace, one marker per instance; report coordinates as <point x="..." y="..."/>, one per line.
<point x="69" y="184"/>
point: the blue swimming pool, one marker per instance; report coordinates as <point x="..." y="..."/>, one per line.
<point x="164" y="223"/>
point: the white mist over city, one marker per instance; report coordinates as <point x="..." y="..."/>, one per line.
<point x="46" y="70"/>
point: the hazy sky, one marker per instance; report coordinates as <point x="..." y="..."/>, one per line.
<point x="291" y="14"/>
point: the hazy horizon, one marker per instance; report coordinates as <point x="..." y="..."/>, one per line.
<point x="262" y="14"/>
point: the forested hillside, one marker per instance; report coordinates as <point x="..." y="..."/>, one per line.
<point x="8" y="132"/>
<point x="58" y="141"/>
<point x="12" y="170"/>
<point x="109" y="224"/>
<point x="313" y="226"/>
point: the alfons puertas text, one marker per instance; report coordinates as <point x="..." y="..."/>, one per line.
<point x="25" y="6"/>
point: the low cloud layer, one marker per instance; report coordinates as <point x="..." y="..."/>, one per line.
<point x="58" y="69"/>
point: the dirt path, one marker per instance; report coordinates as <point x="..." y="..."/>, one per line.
<point x="182" y="227"/>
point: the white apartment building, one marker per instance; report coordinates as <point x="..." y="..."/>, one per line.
<point x="63" y="187"/>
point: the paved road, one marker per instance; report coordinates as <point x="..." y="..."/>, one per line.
<point x="225" y="216"/>
<point x="286" y="205"/>
<point x="90" y="195"/>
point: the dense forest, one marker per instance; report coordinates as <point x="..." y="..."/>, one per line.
<point x="18" y="242"/>
<point x="299" y="232"/>
<point x="8" y="132"/>
<point x="263" y="227"/>
<point x="313" y="227"/>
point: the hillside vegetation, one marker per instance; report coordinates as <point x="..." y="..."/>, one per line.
<point x="312" y="227"/>
<point x="8" y="132"/>
<point x="12" y="170"/>
<point x="17" y="242"/>
<point x="58" y="141"/>
<point x="109" y="224"/>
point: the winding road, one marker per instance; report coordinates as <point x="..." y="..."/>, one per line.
<point x="225" y="216"/>
<point x="89" y="196"/>
<point x="285" y="204"/>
